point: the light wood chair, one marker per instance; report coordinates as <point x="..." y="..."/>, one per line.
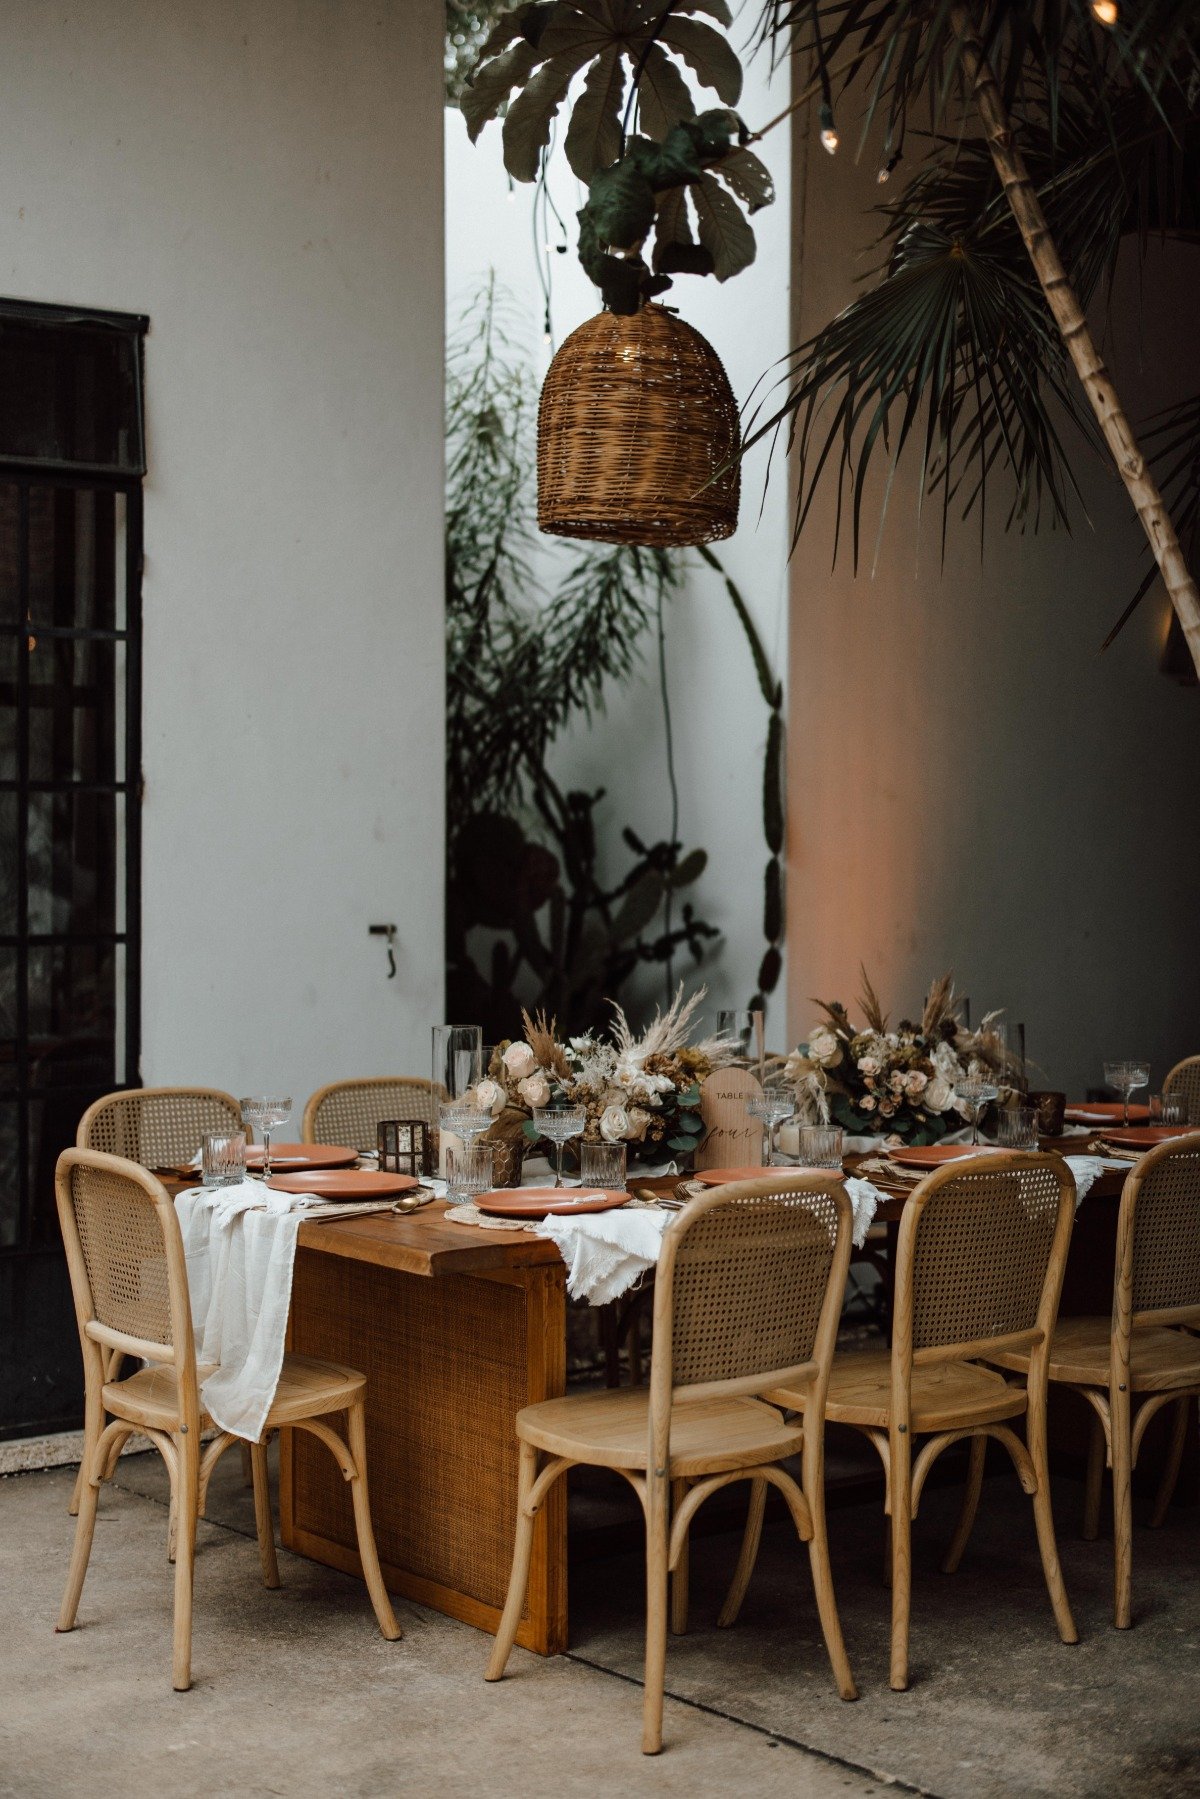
<point x="349" y="1111"/>
<point x="129" y="1282"/>
<point x="1183" y="1083"/>
<point x="162" y="1128"/>
<point x="748" y="1294"/>
<point x="1135" y="1354"/>
<point x="979" y="1267"/>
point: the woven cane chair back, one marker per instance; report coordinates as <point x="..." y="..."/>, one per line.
<point x="160" y="1127"/>
<point x="977" y="1256"/>
<point x="349" y="1111"/>
<point x="1183" y="1083"/>
<point x="1161" y="1238"/>
<point x="125" y="1254"/>
<point x="748" y="1270"/>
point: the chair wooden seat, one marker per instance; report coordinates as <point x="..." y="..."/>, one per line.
<point x="307" y="1389"/>
<point x="1160" y="1359"/>
<point x="945" y="1395"/>
<point x="611" y="1430"/>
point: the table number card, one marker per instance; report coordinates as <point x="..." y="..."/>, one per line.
<point x="734" y="1139"/>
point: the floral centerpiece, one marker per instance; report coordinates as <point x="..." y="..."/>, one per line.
<point x="900" y="1083"/>
<point x="639" y="1090"/>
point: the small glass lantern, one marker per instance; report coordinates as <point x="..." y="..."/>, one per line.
<point x="405" y="1146"/>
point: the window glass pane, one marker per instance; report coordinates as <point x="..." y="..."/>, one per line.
<point x="8" y="1020"/>
<point x="8" y="863"/>
<point x="72" y="862"/>
<point x="72" y="557"/>
<point x="9" y="650"/>
<point x="69" y="394"/>
<point x="72" y="712"/>
<point x="72" y="1015"/>
<point x="10" y="563"/>
<point x="10" y="1174"/>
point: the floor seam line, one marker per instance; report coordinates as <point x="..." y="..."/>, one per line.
<point x="778" y="1736"/>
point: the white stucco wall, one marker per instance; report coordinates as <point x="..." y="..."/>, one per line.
<point x="719" y="718"/>
<point x="263" y="178"/>
<point x="972" y="785"/>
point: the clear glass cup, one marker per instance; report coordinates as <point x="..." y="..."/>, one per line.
<point x="470" y="1171"/>
<point x="820" y="1146"/>
<point x="739" y="1026"/>
<point x="771" y="1106"/>
<point x="1168" y="1109"/>
<point x="559" y="1123"/>
<point x="602" y="1165"/>
<point x="1017" y="1127"/>
<point x="1126" y="1078"/>
<point x="265" y="1113"/>
<point x="223" y="1158"/>
<point x="457" y="1058"/>
<point x="977" y="1091"/>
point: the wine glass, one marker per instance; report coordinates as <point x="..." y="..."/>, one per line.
<point x="559" y="1123"/>
<point x="265" y="1113"/>
<point x="1126" y="1077"/>
<point x="772" y="1106"/>
<point x="463" y="1119"/>
<point x="978" y="1091"/>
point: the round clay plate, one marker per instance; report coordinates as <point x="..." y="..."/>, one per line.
<point x="1106" y="1112"/>
<point x="285" y="1156"/>
<point x="344" y="1183"/>
<point x="932" y="1155"/>
<point x="542" y="1202"/>
<point x="1147" y="1136"/>
<point x="721" y="1177"/>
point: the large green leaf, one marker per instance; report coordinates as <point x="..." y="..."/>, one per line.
<point x="486" y="93"/>
<point x="723" y="230"/>
<point x="529" y="118"/>
<point x="749" y="178"/>
<point x="663" y="95"/>
<point x="708" y="54"/>
<point x="594" y="133"/>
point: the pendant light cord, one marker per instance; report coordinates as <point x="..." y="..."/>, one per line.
<point x="671" y="781"/>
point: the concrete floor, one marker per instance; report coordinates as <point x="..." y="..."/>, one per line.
<point x="295" y="1692"/>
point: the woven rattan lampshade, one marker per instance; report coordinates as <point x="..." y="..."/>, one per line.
<point x="636" y="417"/>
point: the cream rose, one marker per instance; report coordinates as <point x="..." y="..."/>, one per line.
<point x="823" y="1047"/>
<point x="489" y="1096"/>
<point x="519" y="1060"/>
<point x="867" y="1103"/>
<point x="868" y="1065"/>
<point x="534" y="1089"/>
<point x="639" y="1121"/>
<point x="915" y="1083"/>
<point x="614" y="1124"/>
<point x="937" y="1094"/>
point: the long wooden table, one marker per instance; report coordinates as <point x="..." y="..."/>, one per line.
<point x="456" y="1329"/>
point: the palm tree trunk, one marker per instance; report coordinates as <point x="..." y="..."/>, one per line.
<point x="1069" y="317"/>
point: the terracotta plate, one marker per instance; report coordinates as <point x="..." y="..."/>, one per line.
<point x="541" y="1202"/>
<point x="1147" y="1136"/>
<point x="344" y="1183"/>
<point x="302" y="1155"/>
<point x="1106" y="1112"/>
<point x="720" y="1177"/>
<point x="932" y="1155"/>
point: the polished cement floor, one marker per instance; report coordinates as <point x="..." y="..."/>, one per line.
<point x="296" y="1693"/>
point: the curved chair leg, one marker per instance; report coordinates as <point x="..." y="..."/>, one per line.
<point x="77" y="1489"/>
<point x="518" y="1578"/>
<point x="970" y="1505"/>
<point x="187" y="1497"/>
<point x="1043" y="1515"/>
<point x="681" y="1571"/>
<point x="262" y="1513"/>
<point x="89" y="1497"/>
<point x="813" y="1469"/>
<point x="1094" y="1483"/>
<point x="747" y="1555"/>
<point x="247" y="1465"/>
<point x="1171" y="1466"/>
<point x="901" y="1558"/>
<point x="368" y="1554"/>
<point x="657" y="1533"/>
<point x="1122" y="1486"/>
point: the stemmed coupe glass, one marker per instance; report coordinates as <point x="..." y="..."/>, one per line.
<point x="772" y="1106"/>
<point x="264" y="1113"/>
<point x="1126" y="1077"/>
<point x="559" y="1123"/>
<point x="464" y="1119"/>
<point x="978" y="1091"/>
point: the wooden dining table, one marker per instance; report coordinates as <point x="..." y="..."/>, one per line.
<point x="456" y="1329"/>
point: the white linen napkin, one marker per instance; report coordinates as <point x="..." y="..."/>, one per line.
<point x="606" y="1252"/>
<point x="1088" y="1169"/>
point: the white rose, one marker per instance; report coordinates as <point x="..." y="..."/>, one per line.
<point x="945" y="1061"/>
<point x="937" y="1095"/>
<point x="489" y="1096"/>
<point x="896" y="1081"/>
<point x="519" y="1060"/>
<point x="614" y="1124"/>
<point x="915" y="1083"/>
<point x="867" y="1103"/>
<point x="534" y="1089"/>
<point x="638" y="1123"/>
<point x="868" y="1065"/>
<point x="823" y="1047"/>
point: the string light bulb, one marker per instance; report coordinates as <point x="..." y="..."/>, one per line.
<point x="1105" y="12"/>
<point x="885" y="172"/>
<point x="829" y="136"/>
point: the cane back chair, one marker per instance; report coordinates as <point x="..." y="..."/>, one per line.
<point x="349" y="1111"/>
<point x="748" y="1293"/>
<point x="1183" y="1083"/>
<point x="129" y="1282"/>
<point x="1144" y="1351"/>
<point x="979" y="1267"/>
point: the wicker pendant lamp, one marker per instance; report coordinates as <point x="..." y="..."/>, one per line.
<point x="636" y="418"/>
